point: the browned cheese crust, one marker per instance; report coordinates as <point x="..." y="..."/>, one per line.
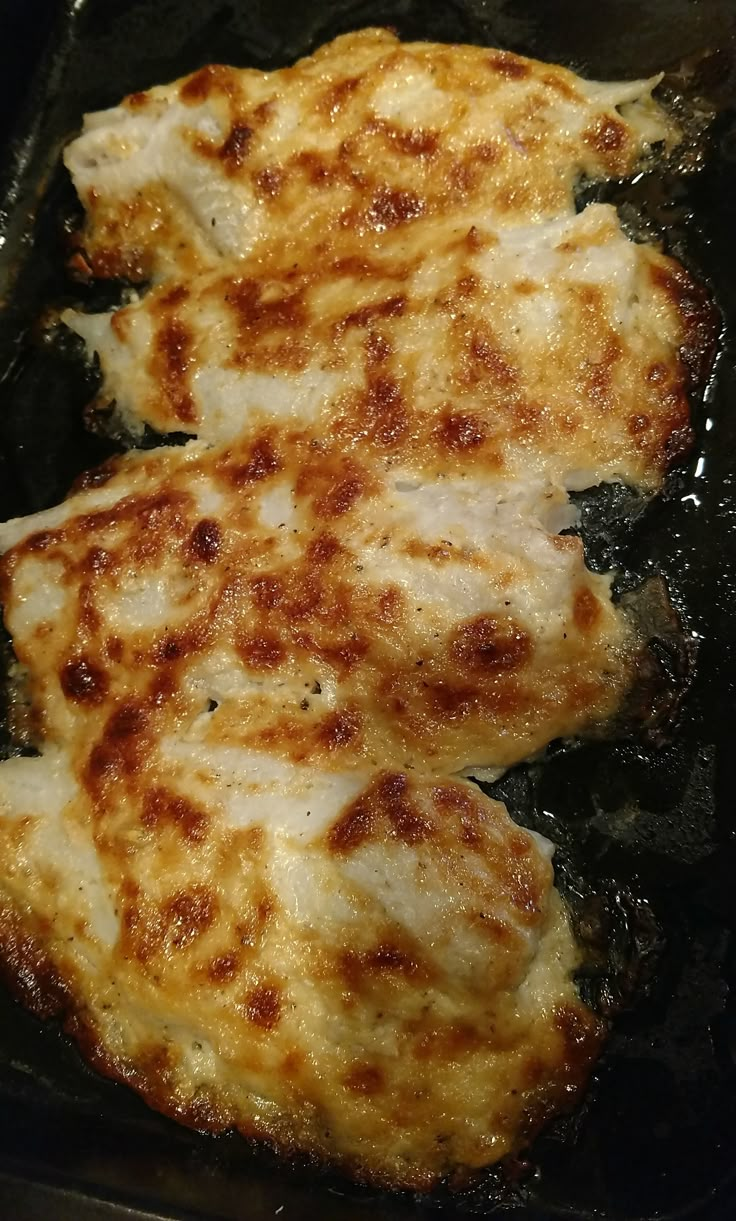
<point x="244" y="864"/>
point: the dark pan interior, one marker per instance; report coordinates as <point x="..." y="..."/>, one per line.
<point x="646" y="832"/>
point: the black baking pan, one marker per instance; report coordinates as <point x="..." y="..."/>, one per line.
<point x="646" y="829"/>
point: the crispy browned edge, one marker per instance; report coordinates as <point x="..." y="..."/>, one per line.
<point x="701" y="329"/>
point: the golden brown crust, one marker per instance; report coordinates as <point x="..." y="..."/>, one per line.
<point x="388" y="135"/>
<point x="476" y="373"/>
<point x="239" y="867"/>
<point x="328" y="596"/>
<point x="550" y="1076"/>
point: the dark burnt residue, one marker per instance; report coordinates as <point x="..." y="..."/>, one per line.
<point x="83" y="681"/>
<point x="262" y="1006"/>
<point x="205" y="541"/>
<point x="665" y="666"/>
<point x="623" y="945"/>
<point x="234" y="150"/>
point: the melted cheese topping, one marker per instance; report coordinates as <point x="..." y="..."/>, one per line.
<point x="443" y="624"/>
<point x="232" y="855"/>
<point x="371" y="968"/>
<point x="549" y="350"/>
<point x="242" y="861"/>
<point x="368" y="139"/>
